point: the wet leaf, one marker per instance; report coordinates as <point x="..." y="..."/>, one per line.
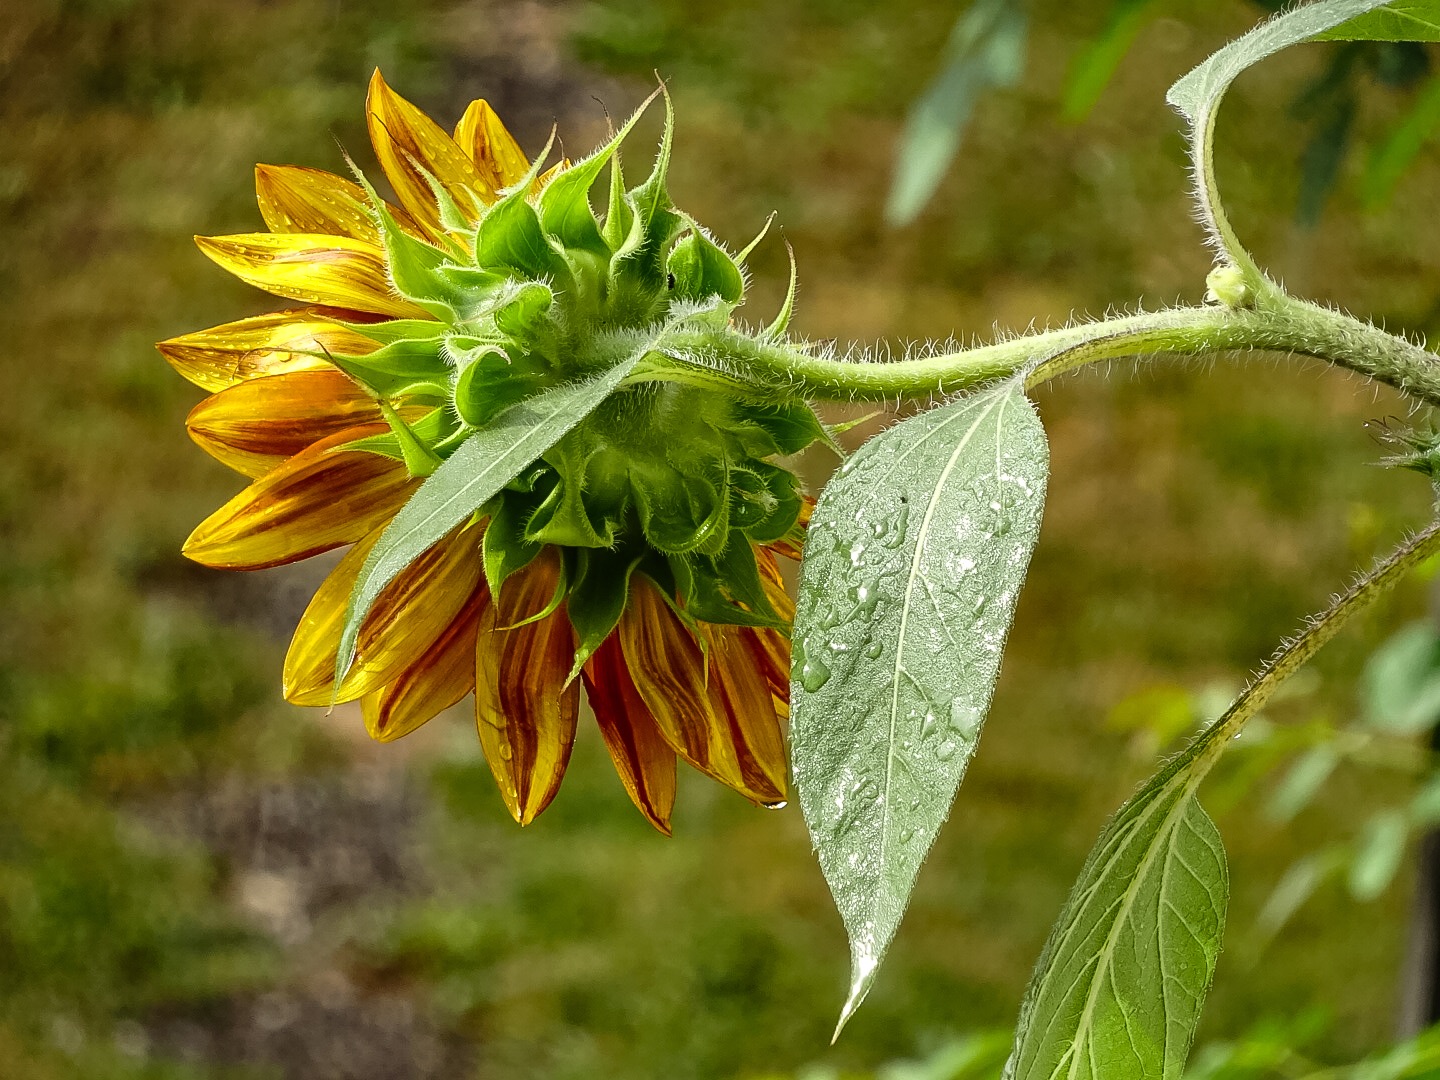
<point x="912" y="569"/>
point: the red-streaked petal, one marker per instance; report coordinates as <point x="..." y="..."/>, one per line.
<point x="772" y="652"/>
<point x="264" y="345"/>
<point x="691" y="710"/>
<point x="409" y="616"/>
<point x="404" y="138"/>
<point x="741" y="689"/>
<point x="316" y="501"/>
<point x="643" y="759"/>
<point x="524" y="711"/>
<point x="335" y="270"/>
<point x="255" y="425"/>
<point x="437" y="679"/>
<point x="490" y="145"/>
<point x="298" y="200"/>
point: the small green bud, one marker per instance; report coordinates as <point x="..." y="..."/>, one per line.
<point x="1226" y="285"/>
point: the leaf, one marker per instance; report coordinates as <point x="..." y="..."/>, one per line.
<point x="1197" y="96"/>
<point x="1301" y="880"/>
<point x="985" y="52"/>
<point x="1096" y="64"/>
<point x="1303" y="782"/>
<point x="1401" y="683"/>
<point x="1395" y="153"/>
<point x="1377" y="858"/>
<point x="482" y="465"/>
<point x="1401" y="20"/>
<point x="1118" y="989"/>
<point x="564" y="205"/>
<point x="912" y="569"/>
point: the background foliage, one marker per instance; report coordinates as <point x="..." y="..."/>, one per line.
<point x="197" y="880"/>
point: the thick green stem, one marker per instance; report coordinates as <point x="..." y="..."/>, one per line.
<point x="1278" y="323"/>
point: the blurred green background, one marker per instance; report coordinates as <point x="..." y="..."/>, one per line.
<point x="197" y="880"/>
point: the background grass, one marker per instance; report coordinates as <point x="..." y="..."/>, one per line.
<point x="198" y="880"/>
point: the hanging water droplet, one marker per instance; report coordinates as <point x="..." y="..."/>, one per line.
<point x="776" y="805"/>
<point x="897" y="537"/>
<point x="964" y="719"/>
<point x="813" y="673"/>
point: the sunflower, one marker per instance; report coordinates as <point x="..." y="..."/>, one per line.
<point x="635" y="558"/>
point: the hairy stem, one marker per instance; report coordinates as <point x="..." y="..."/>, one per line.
<point x="1277" y="323"/>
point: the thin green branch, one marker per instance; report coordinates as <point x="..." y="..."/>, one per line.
<point x="1278" y="324"/>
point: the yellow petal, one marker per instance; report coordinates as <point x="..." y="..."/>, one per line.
<point x="264" y="345"/>
<point x="316" y="501"/>
<point x="524" y="711"/>
<point x="255" y="425"/>
<point x="439" y="677"/>
<point x="692" y="708"/>
<point x="491" y="147"/>
<point x="407" y="141"/>
<point x="334" y="270"/>
<point x="643" y="759"/>
<point x="409" y="617"/>
<point x="298" y="200"/>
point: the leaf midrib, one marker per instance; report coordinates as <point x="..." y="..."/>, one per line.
<point x="1128" y="902"/>
<point x="905" y="613"/>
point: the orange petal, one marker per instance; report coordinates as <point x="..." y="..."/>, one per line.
<point x="264" y="345"/>
<point x="491" y="147"/>
<point x="407" y="141"/>
<point x="254" y="426"/>
<point x="771" y="650"/>
<point x="335" y="270"/>
<point x="523" y="709"/>
<point x="439" y="677"/>
<point x="697" y="715"/>
<point x="741" y="687"/>
<point x="316" y="501"/>
<point x="643" y="759"/>
<point x="409" y="617"/>
<point x="299" y="200"/>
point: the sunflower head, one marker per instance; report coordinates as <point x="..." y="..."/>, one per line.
<point x="435" y="404"/>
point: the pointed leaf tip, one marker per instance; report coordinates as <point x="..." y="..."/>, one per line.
<point x="903" y="612"/>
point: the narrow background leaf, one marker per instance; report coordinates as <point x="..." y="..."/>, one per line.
<point x="986" y="51"/>
<point x="912" y="569"/>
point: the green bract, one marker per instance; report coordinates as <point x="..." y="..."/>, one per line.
<point x="645" y="468"/>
